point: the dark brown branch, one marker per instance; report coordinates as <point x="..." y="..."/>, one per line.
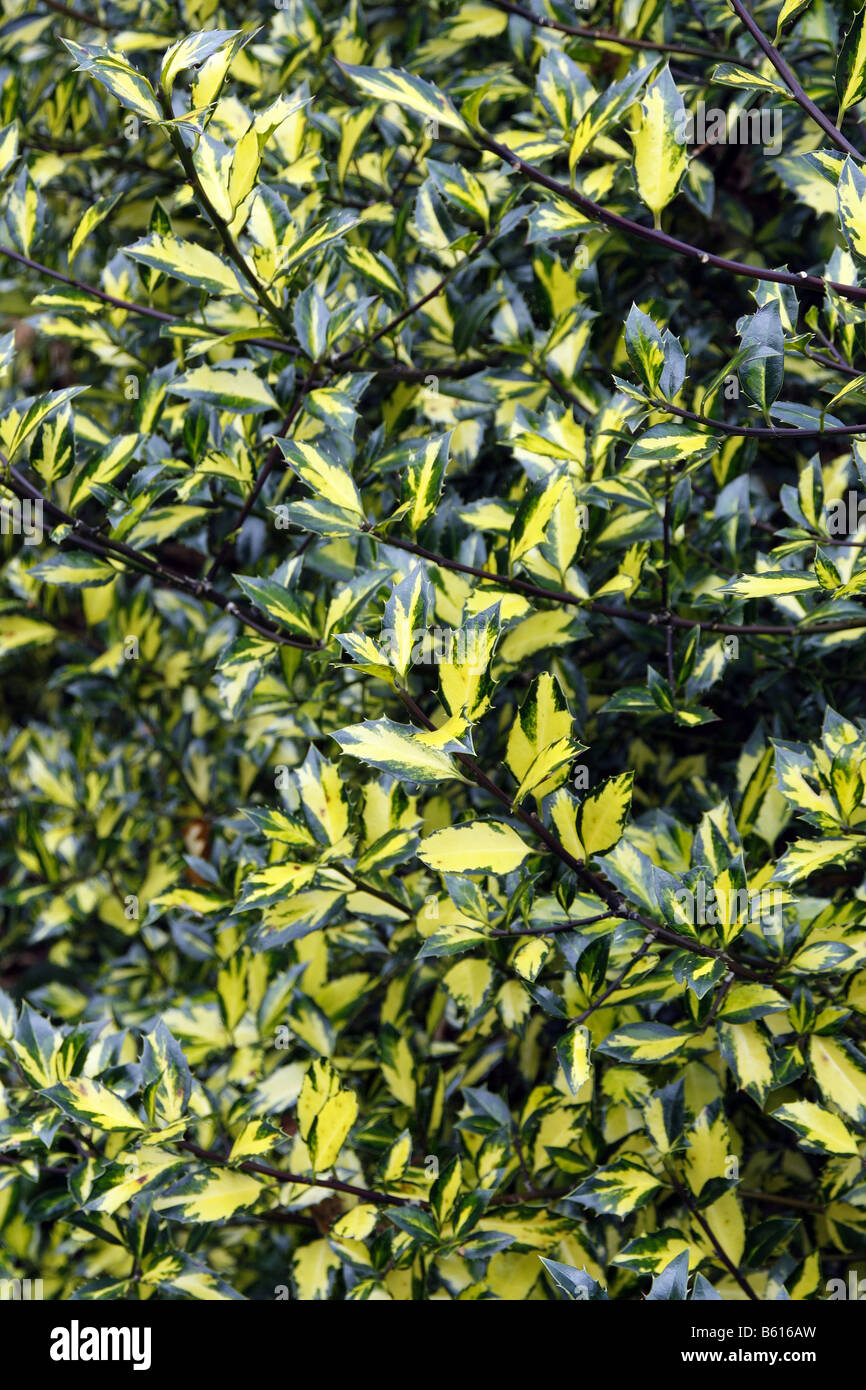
<point x="111" y="299"/>
<point x="794" y="432"/>
<point x="365" y="1194"/>
<point x="800" y="279"/>
<point x="143" y="309"/>
<point x="88" y="538"/>
<point x="609" y="610"/>
<point x="790" y="80"/>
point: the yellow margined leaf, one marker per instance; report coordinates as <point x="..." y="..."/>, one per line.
<point x="660" y="158"/>
<point x="475" y="847"/>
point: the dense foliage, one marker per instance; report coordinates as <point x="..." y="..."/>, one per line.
<point x="431" y="630"/>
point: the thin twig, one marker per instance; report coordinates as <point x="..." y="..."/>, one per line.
<point x="606" y="35"/>
<point x="696" y="1212"/>
<point x="615" y="985"/>
<point x="393" y="324"/>
<point x="71" y="13"/>
<point x="719" y="1001"/>
<point x="232" y="250"/>
<point x="665" y="582"/>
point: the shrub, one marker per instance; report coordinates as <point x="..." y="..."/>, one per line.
<point x="433" y="796"/>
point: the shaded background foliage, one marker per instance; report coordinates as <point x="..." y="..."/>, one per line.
<point x="339" y="964"/>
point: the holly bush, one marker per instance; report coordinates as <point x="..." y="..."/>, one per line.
<point x="433" y="813"/>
